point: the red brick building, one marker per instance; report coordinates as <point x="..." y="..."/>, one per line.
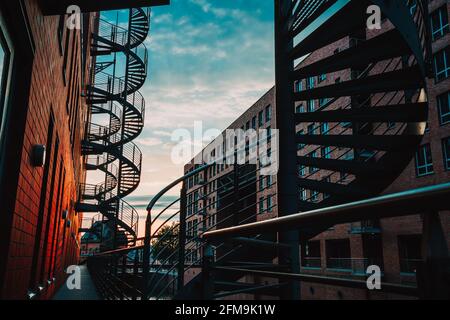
<point x="44" y="67"/>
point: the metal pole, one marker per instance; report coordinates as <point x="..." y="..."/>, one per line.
<point x="182" y="238"/>
<point x="287" y="158"/>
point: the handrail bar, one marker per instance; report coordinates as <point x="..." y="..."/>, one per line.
<point x="419" y="200"/>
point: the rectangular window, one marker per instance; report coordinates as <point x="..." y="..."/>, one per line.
<point x="443" y="103"/>
<point x="314" y="196"/>
<point x="269" y="203"/>
<point x="442" y="64"/>
<point x="446" y="152"/>
<point x="324" y="128"/>
<point x="409" y="252"/>
<point x="323" y="101"/>
<point x="325" y="152"/>
<point x="313" y="154"/>
<point x="322" y="77"/>
<point x="261" y="205"/>
<point x="311" y="105"/>
<point x="311" y="129"/>
<point x="254" y="123"/>
<point x="299" y="86"/>
<point x="300" y="145"/>
<point x="261" y="183"/>
<point x="268" y="113"/>
<point x="269" y="181"/>
<point x="310" y="83"/>
<point x="247" y="125"/>
<point x="301" y="170"/>
<point x="311" y="257"/>
<point x="5" y="62"/>
<point x="261" y="118"/>
<point x="439" y="22"/>
<point x="424" y="161"/>
<point x="303" y="195"/>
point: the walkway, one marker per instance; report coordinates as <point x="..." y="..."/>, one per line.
<point x="87" y="291"/>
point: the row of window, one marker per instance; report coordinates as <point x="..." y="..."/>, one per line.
<point x="424" y="158"/>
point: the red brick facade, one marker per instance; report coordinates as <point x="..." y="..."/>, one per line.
<point x="40" y="234"/>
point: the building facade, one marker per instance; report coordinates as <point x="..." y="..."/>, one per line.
<point x="44" y="67"/>
<point x="346" y="250"/>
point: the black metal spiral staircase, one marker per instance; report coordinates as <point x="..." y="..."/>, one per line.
<point x="110" y="148"/>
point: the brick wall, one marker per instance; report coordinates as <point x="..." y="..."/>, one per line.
<point x="42" y="244"/>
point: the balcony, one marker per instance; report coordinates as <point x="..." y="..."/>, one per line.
<point x="365" y="227"/>
<point x="57" y="7"/>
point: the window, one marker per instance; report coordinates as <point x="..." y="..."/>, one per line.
<point x="443" y="103"/>
<point x="310" y="83"/>
<point x="324" y="128"/>
<point x="300" y="145"/>
<point x="300" y="108"/>
<point x="5" y="57"/>
<point x="322" y="77"/>
<point x="254" y="123"/>
<point x="323" y="101"/>
<point x="303" y="195"/>
<point x="247" y="125"/>
<point x="261" y="118"/>
<point x="261" y="183"/>
<point x="314" y="196"/>
<point x="325" y="152"/>
<point x="268" y="113"/>
<point x="439" y="22"/>
<point x="311" y="129"/>
<point x="311" y="105"/>
<point x="261" y="205"/>
<point x="446" y="152"/>
<point x="424" y="161"/>
<point x="313" y="154"/>
<point x="409" y="252"/>
<point x="269" y="203"/>
<point x="442" y="64"/>
<point x="338" y="254"/>
<point x="301" y="170"/>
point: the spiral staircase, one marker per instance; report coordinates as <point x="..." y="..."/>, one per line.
<point x="110" y="149"/>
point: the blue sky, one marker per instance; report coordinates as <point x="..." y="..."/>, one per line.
<point x="210" y="60"/>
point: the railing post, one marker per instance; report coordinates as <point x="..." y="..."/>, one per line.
<point x="207" y="275"/>
<point x="135" y="274"/>
<point x="434" y="275"/>
<point x="182" y="239"/>
<point x="146" y="255"/>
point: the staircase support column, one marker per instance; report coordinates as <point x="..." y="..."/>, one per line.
<point x="287" y="157"/>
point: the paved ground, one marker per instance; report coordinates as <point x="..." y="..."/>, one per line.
<point x="87" y="291"/>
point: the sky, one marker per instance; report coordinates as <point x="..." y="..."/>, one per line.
<point x="209" y="61"/>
